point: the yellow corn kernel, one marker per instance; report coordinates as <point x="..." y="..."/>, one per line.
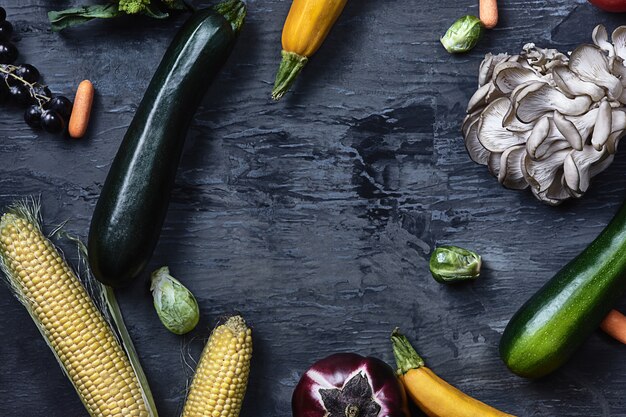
<point x="74" y="328"/>
<point x="220" y="382"/>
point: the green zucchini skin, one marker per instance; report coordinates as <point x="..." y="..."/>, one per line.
<point x="549" y="328"/>
<point x="129" y="214"/>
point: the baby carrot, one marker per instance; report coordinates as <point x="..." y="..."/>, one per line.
<point x="614" y="324"/>
<point x="79" y="120"/>
<point x="489" y="13"/>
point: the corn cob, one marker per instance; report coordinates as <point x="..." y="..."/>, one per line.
<point x="220" y="382"/>
<point x="74" y="328"/>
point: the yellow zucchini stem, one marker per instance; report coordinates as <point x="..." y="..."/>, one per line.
<point x="289" y="69"/>
<point x="406" y="356"/>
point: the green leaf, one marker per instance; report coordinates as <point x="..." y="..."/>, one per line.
<point x="63" y="19"/>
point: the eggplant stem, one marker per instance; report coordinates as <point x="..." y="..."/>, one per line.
<point x="352" y="411"/>
<point x="406" y="356"/>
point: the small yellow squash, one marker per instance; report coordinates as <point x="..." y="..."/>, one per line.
<point x="306" y="27"/>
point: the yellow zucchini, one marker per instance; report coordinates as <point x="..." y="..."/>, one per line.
<point x="306" y="27"/>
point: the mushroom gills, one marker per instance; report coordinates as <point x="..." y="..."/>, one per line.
<point x="537" y="103"/>
<point x="591" y="64"/>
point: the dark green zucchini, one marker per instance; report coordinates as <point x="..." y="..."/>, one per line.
<point x="128" y="217"/>
<point x="547" y="330"/>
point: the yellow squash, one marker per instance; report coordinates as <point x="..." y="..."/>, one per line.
<point x="306" y="27"/>
<point x="434" y="396"/>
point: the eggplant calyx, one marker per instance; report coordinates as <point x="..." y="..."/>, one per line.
<point x="355" y="399"/>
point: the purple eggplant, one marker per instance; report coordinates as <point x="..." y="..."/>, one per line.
<point x="349" y="385"/>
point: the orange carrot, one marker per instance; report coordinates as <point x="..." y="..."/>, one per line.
<point x="614" y="324"/>
<point x="79" y="120"/>
<point x="489" y="13"/>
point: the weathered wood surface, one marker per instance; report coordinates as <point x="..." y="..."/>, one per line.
<point x="314" y="217"/>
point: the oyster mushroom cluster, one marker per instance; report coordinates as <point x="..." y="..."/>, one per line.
<point x="550" y="121"/>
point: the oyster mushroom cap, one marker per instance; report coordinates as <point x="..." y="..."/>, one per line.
<point x="591" y="64"/>
<point x="491" y="134"/>
<point x="511" y="173"/>
<point x="568" y="130"/>
<point x="619" y="41"/>
<point x="494" y="164"/>
<point x="603" y="126"/>
<point x="576" y="168"/>
<point x="475" y="149"/>
<point x="511" y="75"/>
<point x="601" y="165"/>
<point x="537" y="136"/>
<point x="585" y="122"/>
<point x="478" y="99"/>
<point x="536" y="103"/>
<point x="493" y="93"/>
<point x="555" y="194"/>
<point x="618" y="119"/>
<point x="468" y="121"/>
<point x="520" y="92"/>
<point x="601" y="38"/>
<point x="486" y="67"/>
<point x="540" y="174"/>
<point x="568" y="82"/>
<point x="613" y="141"/>
<point x="618" y="69"/>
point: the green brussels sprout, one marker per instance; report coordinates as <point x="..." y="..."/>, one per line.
<point x="453" y="264"/>
<point x="463" y="35"/>
<point x="176" y="306"/>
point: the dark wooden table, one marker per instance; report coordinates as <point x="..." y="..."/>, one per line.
<point x="315" y="217"/>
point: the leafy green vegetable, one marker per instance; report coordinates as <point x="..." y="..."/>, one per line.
<point x="463" y="35"/>
<point x="77" y="15"/>
<point x="176" y="306"/>
<point x="63" y="19"/>
<point x="452" y="264"/>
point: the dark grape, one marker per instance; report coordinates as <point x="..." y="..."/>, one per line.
<point x="32" y="116"/>
<point x="52" y="122"/>
<point x="6" y="30"/>
<point x="61" y="105"/>
<point x="28" y="73"/>
<point x="8" y="52"/>
<point x="3" y="14"/>
<point x="20" y="94"/>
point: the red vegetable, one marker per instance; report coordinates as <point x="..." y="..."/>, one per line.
<point x="610" y="5"/>
<point x="349" y="385"/>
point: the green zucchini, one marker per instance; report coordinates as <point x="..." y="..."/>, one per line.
<point x="128" y="217"/>
<point x="549" y="328"/>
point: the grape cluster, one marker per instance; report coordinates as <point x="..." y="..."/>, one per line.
<point x="20" y="83"/>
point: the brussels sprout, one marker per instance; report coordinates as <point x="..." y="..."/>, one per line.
<point x="452" y="264"/>
<point x="176" y="306"/>
<point x="463" y="35"/>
